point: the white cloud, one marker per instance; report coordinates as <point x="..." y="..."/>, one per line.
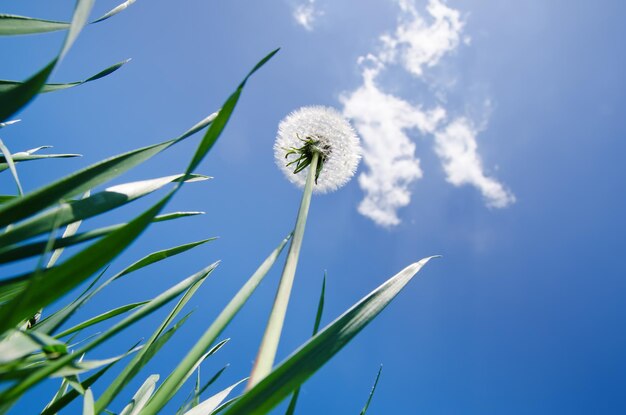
<point x="306" y="13"/>
<point x="384" y="120"/>
<point x="417" y="43"/>
<point x="457" y="148"/>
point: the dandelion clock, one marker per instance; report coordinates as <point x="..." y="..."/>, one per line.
<point x="318" y="150"/>
<point x="322" y="130"/>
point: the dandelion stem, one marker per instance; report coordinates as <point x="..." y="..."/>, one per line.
<point x="267" y="351"/>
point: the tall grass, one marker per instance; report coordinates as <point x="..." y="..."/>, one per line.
<point x="36" y="346"/>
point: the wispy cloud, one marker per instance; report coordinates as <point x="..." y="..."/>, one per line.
<point x="418" y="43"/>
<point x="457" y="148"/>
<point x="306" y="13"/>
<point x="385" y="121"/>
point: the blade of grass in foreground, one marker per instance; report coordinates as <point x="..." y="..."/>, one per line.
<point x="163" y="395"/>
<point x="62" y="401"/>
<point x="208" y="406"/>
<point x="140" y="398"/>
<point x="16" y="98"/>
<point x="87" y="178"/>
<point x="318" y="319"/>
<point x="196" y="366"/>
<point x="194" y="398"/>
<point x="51" y="323"/>
<point x="152" y="344"/>
<point x="18" y="158"/>
<point x="88" y="403"/>
<point x="32" y="154"/>
<point x="16" y="252"/>
<point x="369" y="399"/>
<point x="11" y="25"/>
<point x="12" y="286"/>
<point x="119" y="8"/>
<point x="49" y="284"/>
<point x="12" y="100"/>
<point x="69" y="232"/>
<point x="12" y="393"/>
<point x="72" y="369"/>
<point x="304" y="362"/>
<point x="96" y="204"/>
<point x="100" y="318"/>
<point x="11" y="165"/>
<point x="6" y="85"/>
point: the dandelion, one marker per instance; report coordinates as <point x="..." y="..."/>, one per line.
<point x="322" y="130"/>
<point x="318" y="150"/>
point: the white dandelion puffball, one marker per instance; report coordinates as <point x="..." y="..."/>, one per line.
<point x="337" y="144"/>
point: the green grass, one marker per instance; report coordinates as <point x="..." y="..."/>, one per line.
<point x="35" y="350"/>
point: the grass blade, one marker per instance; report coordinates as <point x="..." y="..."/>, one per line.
<point x="208" y="406"/>
<point x="13" y="253"/>
<point x="369" y="399"/>
<point x="96" y="204"/>
<point x="146" y="354"/>
<point x="15" y="391"/>
<point x="12" y="100"/>
<point x="18" y="344"/>
<point x="11" y="25"/>
<point x="59" y="395"/>
<point x="7" y="123"/>
<point x="6" y="198"/>
<point x="57" y="404"/>
<point x="88" y="403"/>
<point x="318" y="318"/>
<point x="71" y="370"/>
<point x="51" y="323"/>
<point x="320" y="307"/>
<point x="114" y="11"/>
<point x="193" y="368"/>
<point x="79" y="19"/>
<point x="160" y="256"/>
<point x="305" y="361"/>
<point x="140" y="398"/>
<point x="11" y="165"/>
<point x="69" y="232"/>
<point x="17" y="97"/>
<point x="99" y="318"/>
<point x="19" y="157"/>
<point x="196" y="398"/>
<point x="50" y="284"/>
<point x="161" y="397"/>
<point x="83" y="366"/>
<point x="195" y="395"/>
<point x="6" y="85"/>
<point x="87" y="178"/>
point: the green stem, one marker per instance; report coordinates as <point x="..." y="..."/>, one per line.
<point x="267" y="351"/>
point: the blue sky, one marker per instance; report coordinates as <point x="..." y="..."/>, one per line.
<point x="493" y="135"/>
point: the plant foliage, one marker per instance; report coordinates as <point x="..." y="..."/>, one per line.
<point x="35" y="349"/>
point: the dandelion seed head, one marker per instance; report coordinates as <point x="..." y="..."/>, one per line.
<point x="336" y="142"/>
